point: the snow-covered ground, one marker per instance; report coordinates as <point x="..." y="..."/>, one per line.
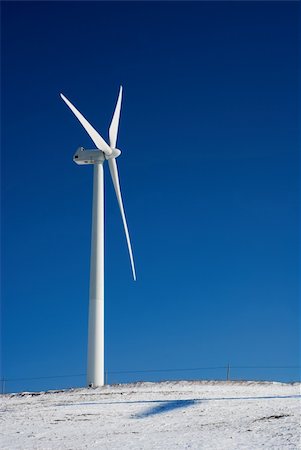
<point x="169" y="415"/>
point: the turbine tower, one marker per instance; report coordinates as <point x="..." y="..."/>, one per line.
<point x="97" y="157"/>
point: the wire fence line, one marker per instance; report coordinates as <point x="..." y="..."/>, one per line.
<point x="227" y="370"/>
<point x="184" y="369"/>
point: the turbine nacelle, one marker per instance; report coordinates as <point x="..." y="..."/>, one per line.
<point x="93" y="156"/>
<point x="83" y="156"/>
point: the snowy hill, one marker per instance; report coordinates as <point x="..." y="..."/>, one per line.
<point x="169" y="415"/>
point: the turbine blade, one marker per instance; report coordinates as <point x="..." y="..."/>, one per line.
<point x="94" y="135"/>
<point x="113" y="130"/>
<point x="115" y="179"/>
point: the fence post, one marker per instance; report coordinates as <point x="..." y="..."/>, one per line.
<point x="2" y="385"/>
<point x="228" y="372"/>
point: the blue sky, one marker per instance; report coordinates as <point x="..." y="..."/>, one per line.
<point x="209" y="174"/>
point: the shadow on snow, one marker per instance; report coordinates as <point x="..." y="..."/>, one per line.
<point x="164" y="407"/>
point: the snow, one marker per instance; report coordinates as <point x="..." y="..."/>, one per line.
<point x="167" y="415"/>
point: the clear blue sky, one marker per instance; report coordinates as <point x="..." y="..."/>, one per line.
<point x="209" y="174"/>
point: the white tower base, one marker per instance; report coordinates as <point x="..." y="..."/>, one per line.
<point x="95" y="371"/>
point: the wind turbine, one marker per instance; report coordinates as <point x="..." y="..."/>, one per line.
<point x="95" y="369"/>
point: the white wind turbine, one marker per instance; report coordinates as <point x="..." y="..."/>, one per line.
<point x="95" y="370"/>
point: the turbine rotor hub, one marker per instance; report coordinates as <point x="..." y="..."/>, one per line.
<point x="115" y="153"/>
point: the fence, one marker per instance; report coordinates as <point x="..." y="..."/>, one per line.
<point x="226" y="372"/>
